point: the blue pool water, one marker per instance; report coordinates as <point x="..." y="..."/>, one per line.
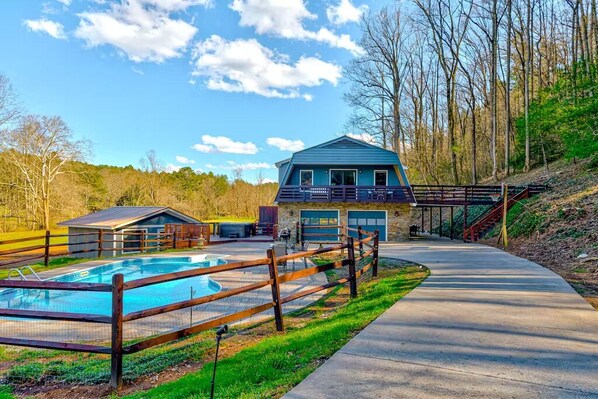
<point x="134" y="300"/>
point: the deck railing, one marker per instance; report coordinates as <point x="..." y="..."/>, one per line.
<point x="393" y="194"/>
<point x="420" y="194"/>
<point x="465" y="195"/>
<point x="357" y="263"/>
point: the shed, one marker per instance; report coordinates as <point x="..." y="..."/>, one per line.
<point x="123" y="229"/>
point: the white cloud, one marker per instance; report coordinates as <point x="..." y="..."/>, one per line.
<point x="142" y="29"/>
<point x="231" y="165"/>
<point x="245" y="66"/>
<point x="285" y="19"/>
<point x="137" y="71"/>
<point x="54" y="29"/>
<point x="368" y="138"/>
<point x="172" y="168"/>
<point x="345" y="12"/>
<point x="268" y="180"/>
<point x="184" y="160"/>
<point x="212" y="144"/>
<point x="285" y="144"/>
<point x="65" y="2"/>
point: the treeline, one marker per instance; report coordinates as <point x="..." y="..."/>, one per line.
<point x="468" y="90"/>
<point x="85" y="188"/>
<point x="44" y="178"/>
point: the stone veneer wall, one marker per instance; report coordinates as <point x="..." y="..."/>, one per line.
<point x="398" y="226"/>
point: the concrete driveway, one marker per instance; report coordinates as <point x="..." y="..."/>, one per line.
<point x="485" y="324"/>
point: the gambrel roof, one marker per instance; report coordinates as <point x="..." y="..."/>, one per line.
<point x="346" y="151"/>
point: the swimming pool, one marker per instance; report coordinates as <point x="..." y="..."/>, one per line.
<point x="134" y="300"/>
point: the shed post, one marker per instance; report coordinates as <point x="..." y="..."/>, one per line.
<point x="440" y="222"/>
<point x="430" y="212"/>
<point x="465" y="223"/>
<point x="452" y="229"/>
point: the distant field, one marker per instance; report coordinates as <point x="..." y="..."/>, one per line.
<point x="25" y="234"/>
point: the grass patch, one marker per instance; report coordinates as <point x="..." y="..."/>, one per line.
<point x="88" y="369"/>
<point x="34" y="233"/>
<point x="277" y="363"/>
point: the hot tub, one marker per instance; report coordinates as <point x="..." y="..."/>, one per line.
<point x="235" y="230"/>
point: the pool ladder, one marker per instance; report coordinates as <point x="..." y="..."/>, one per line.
<point x="19" y="271"/>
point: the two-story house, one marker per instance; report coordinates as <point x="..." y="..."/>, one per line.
<point x="345" y="181"/>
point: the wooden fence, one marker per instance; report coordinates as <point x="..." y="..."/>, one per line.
<point x="357" y="264"/>
<point x="103" y="244"/>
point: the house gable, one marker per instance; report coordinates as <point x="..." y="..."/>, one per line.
<point x="343" y="152"/>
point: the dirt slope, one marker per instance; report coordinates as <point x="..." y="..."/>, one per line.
<point x="559" y="229"/>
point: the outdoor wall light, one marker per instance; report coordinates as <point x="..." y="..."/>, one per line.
<point x="291" y="213"/>
<point x="396" y="213"/>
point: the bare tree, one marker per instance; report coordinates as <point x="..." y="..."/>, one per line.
<point x="41" y="147"/>
<point x="448" y="22"/>
<point x="9" y="109"/>
<point x="154" y="168"/>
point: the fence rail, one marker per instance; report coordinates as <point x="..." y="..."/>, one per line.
<point x="119" y="288"/>
<point x="101" y="243"/>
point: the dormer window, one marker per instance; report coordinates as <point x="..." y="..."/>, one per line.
<point x="306" y="177"/>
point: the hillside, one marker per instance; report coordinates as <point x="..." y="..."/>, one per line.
<point x="559" y="228"/>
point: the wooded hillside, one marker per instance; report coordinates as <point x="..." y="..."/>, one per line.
<point x="469" y="90"/>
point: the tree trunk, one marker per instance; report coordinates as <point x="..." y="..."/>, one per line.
<point x="508" y="89"/>
<point x="528" y="61"/>
<point x="493" y="82"/>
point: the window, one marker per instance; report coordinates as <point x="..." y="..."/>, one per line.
<point x="342" y="177"/>
<point x="306" y="177"/>
<point x="380" y="178"/>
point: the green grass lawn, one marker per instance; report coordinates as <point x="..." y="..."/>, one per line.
<point x="25" y="234"/>
<point x="276" y="364"/>
<point x="268" y="365"/>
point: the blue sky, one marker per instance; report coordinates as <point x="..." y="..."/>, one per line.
<point x="208" y="84"/>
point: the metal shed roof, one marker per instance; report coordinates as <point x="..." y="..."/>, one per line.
<point x="120" y="216"/>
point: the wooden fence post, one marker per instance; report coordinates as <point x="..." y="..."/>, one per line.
<point x="360" y="237"/>
<point x="297" y="233"/>
<point x="351" y="256"/>
<point x="375" y="260"/>
<point x="116" y="363"/>
<point x="273" y="267"/>
<point x="47" y="249"/>
<point x="174" y="239"/>
<point x="100" y="243"/>
<point x="302" y="235"/>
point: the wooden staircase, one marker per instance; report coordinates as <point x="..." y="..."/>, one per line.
<point x="487" y="220"/>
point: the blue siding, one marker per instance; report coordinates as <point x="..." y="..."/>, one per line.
<point x="365" y="174"/>
<point x="346" y="153"/>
